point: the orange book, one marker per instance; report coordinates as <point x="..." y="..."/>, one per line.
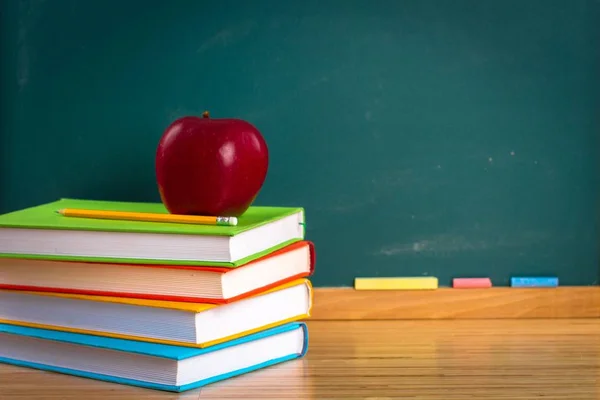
<point x="181" y="283"/>
<point x="176" y="323"/>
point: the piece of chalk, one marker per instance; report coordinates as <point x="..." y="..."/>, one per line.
<point x="408" y="283"/>
<point x="471" y="283"/>
<point x="532" y="281"/>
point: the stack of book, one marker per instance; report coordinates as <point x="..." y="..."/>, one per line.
<point x="159" y="305"/>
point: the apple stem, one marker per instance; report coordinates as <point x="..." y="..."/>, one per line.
<point x="205" y="114"/>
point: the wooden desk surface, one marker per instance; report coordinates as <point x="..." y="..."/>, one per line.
<point x="500" y="359"/>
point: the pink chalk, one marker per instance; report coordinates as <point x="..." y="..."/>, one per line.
<point x="471" y="283"/>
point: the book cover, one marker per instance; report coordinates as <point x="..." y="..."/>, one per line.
<point x="176" y="353"/>
<point x="45" y="216"/>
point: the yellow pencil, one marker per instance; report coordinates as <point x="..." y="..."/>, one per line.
<point x="148" y="217"/>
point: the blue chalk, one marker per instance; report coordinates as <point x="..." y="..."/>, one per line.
<point x="534" y="282"/>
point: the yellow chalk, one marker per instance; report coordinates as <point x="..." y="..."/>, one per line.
<point x="409" y="283"/>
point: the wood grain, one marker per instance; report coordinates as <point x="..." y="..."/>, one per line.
<point x="435" y="359"/>
<point x="448" y="303"/>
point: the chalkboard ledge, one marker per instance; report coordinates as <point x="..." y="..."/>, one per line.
<point x="448" y="303"/>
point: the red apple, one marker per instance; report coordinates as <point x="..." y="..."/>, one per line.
<point x="213" y="167"/>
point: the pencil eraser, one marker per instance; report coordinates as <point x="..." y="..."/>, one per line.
<point x="532" y="281"/>
<point x="408" y="283"/>
<point x="471" y="283"/>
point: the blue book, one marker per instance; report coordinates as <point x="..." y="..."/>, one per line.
<point x="149" y="365"/>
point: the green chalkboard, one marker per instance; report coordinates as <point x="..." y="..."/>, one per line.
<point x="429" y="137"/>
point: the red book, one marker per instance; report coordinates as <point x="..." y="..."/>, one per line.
<point x="200" y="284"/>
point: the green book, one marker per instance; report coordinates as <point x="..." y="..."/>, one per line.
<point x="42" y="233"/>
